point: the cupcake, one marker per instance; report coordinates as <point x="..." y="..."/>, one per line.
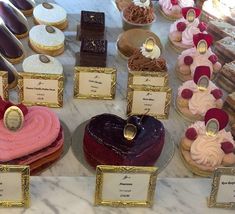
<point x="182" y="30"/>
<point x="46" y="39"/>
<point x="25" y="6"/>
<point x="195" y="97"/>
<point x="147" y="58"/>
<point x="171" y="9"/>
<point x="139" y="14"/>
<point x="200" y="54"/>
<point x="207" y="145"/>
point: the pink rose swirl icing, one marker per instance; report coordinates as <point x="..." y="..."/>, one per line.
<point x="187" y="34"/>
<point x="41" y="128"/>
<point x="174" y="28"/>
<point x="186" y="3"/>
<point x="165" y="4"/>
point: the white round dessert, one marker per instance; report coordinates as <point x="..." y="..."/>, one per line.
<point x="44" y="64"/>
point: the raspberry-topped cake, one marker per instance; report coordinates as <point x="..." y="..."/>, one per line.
<point x="201" y="54"/>
<point x="105" y="143"/>
<point x="197" y="96"/>
<point x="182" y="30"/>
<point x="38" y="143"/>
<point x="207" y="145"/>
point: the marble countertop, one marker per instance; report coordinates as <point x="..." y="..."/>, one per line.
<point x="77" y="111"/>
<point x="60" y="195"/>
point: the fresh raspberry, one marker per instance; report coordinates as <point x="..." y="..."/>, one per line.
<point x="174" y="2"/>
<point x="202" y="26"/>
<point x="227" y="147"/>
<point x="188" y="60"/>
<point x="23" y="108"/>
<point x="217" y="93"/>
<point x="213" y="58"/>
<point x="191" y="134"/>
<point x="186" y="94"/>
<point x="181" y="26"/>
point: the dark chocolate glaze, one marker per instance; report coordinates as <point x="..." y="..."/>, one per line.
<point x="8" y="45"/>
<point x="12" y="19"/>
<point x="5" y="67"/>
<point x="22" y="4"/>
<point x="92" y="20"/>
<point x="94" y="46"/>
<point x="108" y="130"/>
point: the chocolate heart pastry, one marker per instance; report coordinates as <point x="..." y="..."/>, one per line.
<point x="104" y="142"/>
<point x="12" y="73"/>
<point x="13" y="19"/>
<point x="10" y="46"/>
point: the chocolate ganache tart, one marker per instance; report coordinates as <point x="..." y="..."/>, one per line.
<point x="105" y="141"/>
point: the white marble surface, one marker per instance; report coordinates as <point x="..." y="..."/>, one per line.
<point x="75" y="112"/>
<point x="67" y="195"/>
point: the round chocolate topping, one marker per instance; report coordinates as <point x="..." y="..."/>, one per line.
<point x="50" y="29"/>
<point x="44" y="58"/>
<point x="47" y="5"/>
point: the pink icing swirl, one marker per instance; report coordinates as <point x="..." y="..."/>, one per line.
<point x="165" y="4"/>
<point x="187" y="34"/>
<point x="187" y="3"/>
<point x="41" y="128"/>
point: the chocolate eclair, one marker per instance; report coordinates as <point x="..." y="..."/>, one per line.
<point x="13" y="19"/>
<point x="10" y="69"/>
<point x="10" y="47"/>
<point x="25" y="6"/>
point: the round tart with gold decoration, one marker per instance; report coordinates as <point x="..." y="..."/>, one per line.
<point x="25" y="6"/>
<point x="50" y="14"/>
<point x="40" y="63"/>
<point x="206" y="144"/>
<point x="46" y="39"/>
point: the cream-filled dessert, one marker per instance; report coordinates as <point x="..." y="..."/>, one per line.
<point x="197" y="96"/>
<point x="50" y="14"/>
<point x="207" y="145"/>
<point x="182" y="30"/>
<point x="138" y="14"/>
<point x="40" y="63"/>
<point x="39" y="141"/>
<point x="147" y="58"/>
<point x="200" y="54"/>
<point x="47" y="39"/>
<point x="172" y="8"/>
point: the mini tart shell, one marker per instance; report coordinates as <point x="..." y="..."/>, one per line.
<point x="15" y="60"/>
<point x="27" y="12"/>
<point x="177" y="46"/>
<point x="170" y="18"/>
<point x="181" y="76"/>
<point x="21" y="36"/>
<point x="60" y="25"/>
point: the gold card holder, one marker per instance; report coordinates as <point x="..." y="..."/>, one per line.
<point x="223" y="188"/>
<point x="154" y="100"/>
<point x="4" y="85"/>
<point x="94" y="83"/>
<point x="125" y="186"/>
<point x="14" y="186"/>
<point x="41" y="89"/>
<point x="147" y="78"/>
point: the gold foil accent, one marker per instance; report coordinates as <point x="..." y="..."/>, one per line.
<point x="202" y="47"/>
<point x="13" y="118"/>
<point x="4" y="76"/>
<point x="149" y="44"/>
<point x="212" y="127"/>
<point x="203" y="83"/>
<point x="44" y="58"/>
<point x="47" y="5"/>
<point x="191" y="15"/>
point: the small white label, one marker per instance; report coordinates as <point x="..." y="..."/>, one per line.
<point x="149" y="81"/>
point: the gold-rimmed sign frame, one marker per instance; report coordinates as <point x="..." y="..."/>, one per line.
<point x="163" y="75"/>
<point x="147" y="202"/>
<point x="38" y="76"/>
<point x="5" y="90"/>
<point x="132" y="89"/>
<point x="25" y="179"/>
<point x="111" y="71"/>
<point x="212" y="200"/>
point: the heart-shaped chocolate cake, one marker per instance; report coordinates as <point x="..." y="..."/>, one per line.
<point x="104" y="141"/>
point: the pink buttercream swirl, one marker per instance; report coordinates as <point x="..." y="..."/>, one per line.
<point x="187" y="34"/>
<point x="165" y="4"/>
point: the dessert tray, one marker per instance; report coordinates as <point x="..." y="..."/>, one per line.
<point x="77" y="149"/>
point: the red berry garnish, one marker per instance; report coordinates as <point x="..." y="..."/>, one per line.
<point x="217" y="93"/>
<point x="227" y="147"/>
<point x="181" y="26"/>
<point x="188" y="60"/>
<point x="213" y="58"/>
<point x="202" y="26"/>
<point x="186" y="94"/>
<point x="174" y="2"/>
<point x="191" y="134"/>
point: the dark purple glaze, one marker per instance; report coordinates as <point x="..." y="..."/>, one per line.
<point x="8" y="45"/>
<point x="22" y="4"/>
<point x="108" y="130"/>
<point x="12" y="19"/>
<point x="5" y="67"/>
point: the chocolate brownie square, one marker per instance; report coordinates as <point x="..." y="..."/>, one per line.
<point x="92" y="25"/>
<point x="93" y="53"/>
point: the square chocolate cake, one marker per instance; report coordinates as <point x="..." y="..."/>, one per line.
<point x="93" y="53"/>
<point x="92" y="25"/>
